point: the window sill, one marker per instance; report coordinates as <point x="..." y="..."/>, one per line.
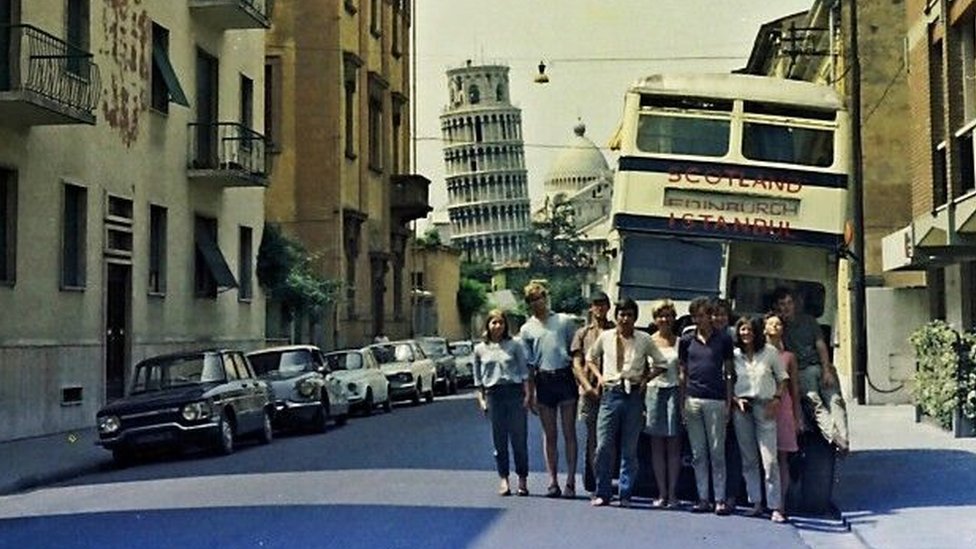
<point x="377" y="169"/>
<point x="375" y="33"/>
<point x="157" y="112"/>
<point x="351" y="155"/>
<point x="245" y="300"/>
<point x="156" y="295"/>
<point x="351" y="7"/>
<point x="78" y="289"/>
<point x="8" y="283"/>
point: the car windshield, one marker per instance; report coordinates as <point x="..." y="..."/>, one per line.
<point x="160" y="374"/>
<point x="284" y="362"/>
<point x="434" y="347"/>
<point x="344" y="361"/>
<point x="461" y="348"/>
<point x="395" y="352"/>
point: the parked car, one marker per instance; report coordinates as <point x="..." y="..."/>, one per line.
<point x="408" y="369"/>
<point x="365" y="384"/>
<point x="444" y="364"/>
<point x="307" y="395"/>
<point x="199" y="398"/>
<point x="463" y="352"/>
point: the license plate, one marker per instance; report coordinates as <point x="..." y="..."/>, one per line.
<point x="153" y="438"/>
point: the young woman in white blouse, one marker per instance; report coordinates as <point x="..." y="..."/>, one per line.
<point x="663" y="419"/>
<point x="759" y="381"/>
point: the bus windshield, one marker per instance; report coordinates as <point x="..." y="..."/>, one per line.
<point x="649" y="273"/>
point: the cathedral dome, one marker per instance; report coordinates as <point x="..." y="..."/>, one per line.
<point x="580" y="159"/>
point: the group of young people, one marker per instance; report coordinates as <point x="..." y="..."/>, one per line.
<point x="624" y="381"/>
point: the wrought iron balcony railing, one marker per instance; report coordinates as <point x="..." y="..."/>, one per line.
<point x="45" y="72"/>
<point x="228" y="152"/>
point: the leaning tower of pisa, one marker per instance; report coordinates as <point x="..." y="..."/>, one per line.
<point x="487" y="188"/>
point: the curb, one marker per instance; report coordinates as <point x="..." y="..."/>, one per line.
<point x="31" y="482"/>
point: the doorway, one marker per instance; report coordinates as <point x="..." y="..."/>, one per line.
<point x="206" y="129"/>
<point x="6" y="20"/>
<point x="118" y="291"/>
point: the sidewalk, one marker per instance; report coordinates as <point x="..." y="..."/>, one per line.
<point x="907" y="484"/>
<point x="904" y="485"/>
<point x="32" y="462"/>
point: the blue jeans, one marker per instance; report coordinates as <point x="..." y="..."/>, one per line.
<point x="619" y="413"/>
<point x="509" y="423"/>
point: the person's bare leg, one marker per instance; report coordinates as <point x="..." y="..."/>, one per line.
<point x="547" y="416"/>
<point x="674" y="467"/>
<point x="567" y="412"/>
<point x="658" y="452"/>
<point x="784" y="479"/>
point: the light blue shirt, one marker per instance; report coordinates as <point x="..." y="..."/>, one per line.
<point x="499" y="363"/>
<point x="548" y="342"/>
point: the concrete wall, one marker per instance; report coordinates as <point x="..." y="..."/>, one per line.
<point x="441" y="268"/>
<point x="50" y="337"/>
<point x="895" y="314"/>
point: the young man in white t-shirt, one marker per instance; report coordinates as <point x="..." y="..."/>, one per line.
<point x="629" y="360"/>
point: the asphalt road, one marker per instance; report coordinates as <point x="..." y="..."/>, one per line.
<point x="421" y="476"/>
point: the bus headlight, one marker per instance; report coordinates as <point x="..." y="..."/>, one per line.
<point x="195" y="411"/>
<point x="108" y="424"/>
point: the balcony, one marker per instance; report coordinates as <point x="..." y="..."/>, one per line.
<point x="409" y="197"/>
<point x="227" y="154"/>
<point x="44" y="80"/>
<point x="233" y="14"/>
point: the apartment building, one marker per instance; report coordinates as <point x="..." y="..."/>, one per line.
<point x="132" y="182"/>
<point x="816" y="45"/>
<point x="338" y="110"/>
<point x="940" y="239"/>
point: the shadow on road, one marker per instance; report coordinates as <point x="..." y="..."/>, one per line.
<point x="346" y="526"/>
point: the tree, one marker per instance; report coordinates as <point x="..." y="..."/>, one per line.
<point x="480" y="270"/>
<point x="430" y="239"/>
<point x="471" y="297"/>
<point x="284" y="270"/>
<point x="556" y="254"/>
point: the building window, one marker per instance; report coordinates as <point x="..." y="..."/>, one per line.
<point x="376" y="17"/>
<point x="474" y="94"/>
<point x="74" y="224"/>
<point x="245" y="263"/>
<point x="417" y="278"/>
<point x="247" y="102"/>
<point x="351" y="64"/>
<point x="76" y="30"/>
<point x="272" y="102"/>
<point x="352" y="6"/>
<point x="8" y="227"/>
<point x="165" y="85"/>
<point x="157" y="250"/>
<point x="397" y="48"/>
<point x="399" y="107"/>
<point x="204" y="282"/>
<point x="376" y="133"/>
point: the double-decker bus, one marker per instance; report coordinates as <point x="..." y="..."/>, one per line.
<point x="730" y="185"/>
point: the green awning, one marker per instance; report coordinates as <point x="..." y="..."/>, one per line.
<point x="161" y="59"/>
<point x="215" y="261"/>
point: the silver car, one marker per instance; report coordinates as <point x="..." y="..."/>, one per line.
<point x="365" y="384"/>
<point x="306" y="393"/>
<point x="463" y="352"/>
<point x="409" y="370"/>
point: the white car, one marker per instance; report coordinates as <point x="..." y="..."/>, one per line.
<point x="306" y="394"/>
<point x="365" y="384"/>
<point x="463" y="352"/>
<point x="410" y="371"/>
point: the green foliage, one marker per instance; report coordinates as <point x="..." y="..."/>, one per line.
<point x="477" y="270"/>
<point x="946" y="376"/>
<point x="430" y="239"/>
<point x="554" y="241"/>
<point x="285" y="272"/>
<point x="471" y="297"/>
<point x="565" y="287"/>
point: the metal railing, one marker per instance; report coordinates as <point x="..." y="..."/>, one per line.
<point x="227" y="146"/>
<point x="42" y="63"/>
<point x="258" y="9"/>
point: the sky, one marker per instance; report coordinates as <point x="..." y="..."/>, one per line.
<point x="593" y="50"/>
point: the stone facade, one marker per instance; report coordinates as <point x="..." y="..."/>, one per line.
<point x="132" y="183"/>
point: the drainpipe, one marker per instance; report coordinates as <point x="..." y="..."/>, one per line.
<point x="858" y="303"/>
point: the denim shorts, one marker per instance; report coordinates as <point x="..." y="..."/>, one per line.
<point x="553" y="388"/>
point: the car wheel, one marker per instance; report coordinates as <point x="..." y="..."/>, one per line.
<point x="368" y="403"/>
<point x="388" y="405"/>
<point x="267" y="433"/>
<point x="341" y="419"/>
<point x="454" y="385"/>
<point x="123" y="457"/>
<point x="321" y="420"/>
<point x="415" y="399"/>
<point x="429" y="396"/>
<point x="225" y="435"/>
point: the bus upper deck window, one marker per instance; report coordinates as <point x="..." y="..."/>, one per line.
<point x="788" y="144"/>
<point x="684" y="135"/>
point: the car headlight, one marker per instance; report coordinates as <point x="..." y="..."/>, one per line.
<point x="306" y="388"/>
<point x="109" y="424"/>
<point x="195" y="411"/>
<point x="353" y="388"/>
